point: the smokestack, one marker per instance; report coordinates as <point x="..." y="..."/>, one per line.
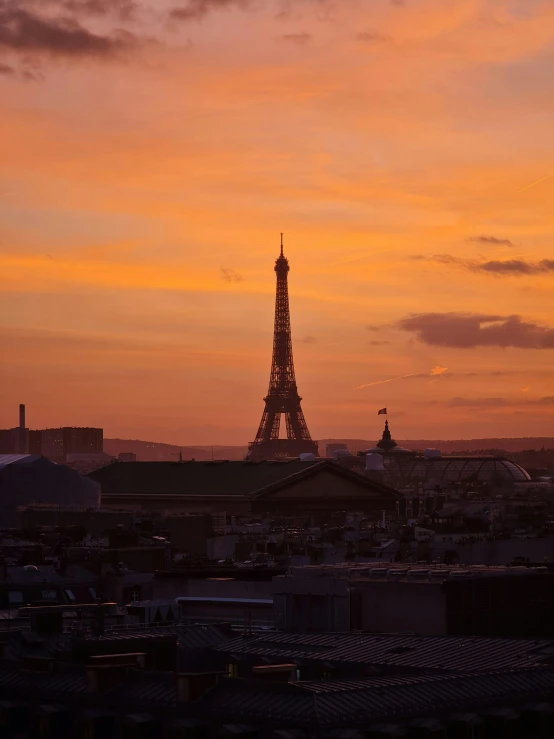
<point x="22" y="431"/>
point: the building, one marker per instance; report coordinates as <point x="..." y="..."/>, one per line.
<point x="27" y="479"/>
<point x="34" y="585"/>
<point x="126" y="457"/>
<point x="58" y="443"/>
<point x="16" y="440"/>
<point x="334" y="447"/>
<point x="301" y="489"/>
<point x="202" y="682"/>
<point x="416" y="599"/>
<point x="405" y="469"/>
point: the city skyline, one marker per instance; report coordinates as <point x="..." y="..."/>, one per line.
<point x="152" y="153"/>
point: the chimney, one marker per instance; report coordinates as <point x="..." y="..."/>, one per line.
<point x="191" y="686"/>
<point x="276" y="673"/>
<point x="109" y="670"/>
<point x="22" y="442"/>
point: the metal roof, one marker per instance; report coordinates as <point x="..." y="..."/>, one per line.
<point x="193" y="636"/>
<point x="373" y="700"/>
<point x="332" y="704"/>
<point x="6" y="459"/>
<point x="238" y="601"/>
<point x="447" y="654"/>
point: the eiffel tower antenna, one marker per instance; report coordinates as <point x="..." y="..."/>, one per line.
<point x="282" y="397"/>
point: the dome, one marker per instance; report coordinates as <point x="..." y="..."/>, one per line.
<point x="441" y="470"/>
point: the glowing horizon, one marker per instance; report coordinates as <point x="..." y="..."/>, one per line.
<point x="153" y="152"/>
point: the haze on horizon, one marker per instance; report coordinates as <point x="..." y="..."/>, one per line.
<point x="152" y="151"/>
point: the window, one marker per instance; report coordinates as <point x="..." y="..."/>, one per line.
<point x="92" y="593"/>
<point x="232" y="670"/>
<point x="71" y="596"/>
<point x="15" y="597"/>
<point x="49" y="595"/>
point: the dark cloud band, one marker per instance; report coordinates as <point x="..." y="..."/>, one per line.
<point x="467" y="330"/>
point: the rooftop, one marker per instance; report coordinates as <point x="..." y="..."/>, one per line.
<point x="430" y="653"/>
<point x="6" y="459"/>
<point x="220" y="477"/>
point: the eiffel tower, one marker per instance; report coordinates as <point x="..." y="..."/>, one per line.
<point x="282" y="397"/>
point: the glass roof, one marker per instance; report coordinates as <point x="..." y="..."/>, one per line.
<point x="456" y="469"/>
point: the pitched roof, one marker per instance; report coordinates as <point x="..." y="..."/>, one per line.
<point x="334" y="703"/>
<point x="360" y="702"/>
<point x="241" y="478"/>
<point x="6" y="459"/>
<point x="444" y="653"/>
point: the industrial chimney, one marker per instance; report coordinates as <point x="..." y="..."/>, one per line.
<point x="23" y="437"/>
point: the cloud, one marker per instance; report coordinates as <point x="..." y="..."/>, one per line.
<point x="438" y="370"/>
<point x="468" y="330"/>
<point x="494" y="402"/>
<point x="229" y="275"/>
<point x="501" y="267"/>
<point x="6" y="70"/>
<point x="490" y="240"/>
<point x="379" y="343"/>
<point x="195" y="10"/>
<point x="371" y="37"/>
<point x="300" y="39"/>
<point x="25" y="32"/>
<point x="124" y="9"/>
<point x="308" y="340"/>
<point x="517" y="267"/>
<point x="478" y="402"/>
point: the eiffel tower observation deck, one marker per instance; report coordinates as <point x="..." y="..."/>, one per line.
<point x="282" y="397"/>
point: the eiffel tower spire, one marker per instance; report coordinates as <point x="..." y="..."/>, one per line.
<point x="282" y="396"/>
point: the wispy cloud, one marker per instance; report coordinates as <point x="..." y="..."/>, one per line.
<point x="300" y="39"/>
<point x="371" y="37"/>
<point x="195" y="10"/>
<point x="497" y="267"/>
<point x="500" y="402"/>
<point x="229" y="275"/>
<point x="490" y="240"/>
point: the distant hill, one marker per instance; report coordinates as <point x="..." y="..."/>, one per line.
<point x="152" y="451"/>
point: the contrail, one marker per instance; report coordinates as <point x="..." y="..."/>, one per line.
<point x="434" y="372"/>
<point x="542" y="179"/>
<point x="391" y="379"/>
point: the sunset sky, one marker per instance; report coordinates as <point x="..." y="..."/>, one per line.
<point x="151" y="152"/>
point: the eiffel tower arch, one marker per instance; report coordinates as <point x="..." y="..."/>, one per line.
<point x="282" y="397"/>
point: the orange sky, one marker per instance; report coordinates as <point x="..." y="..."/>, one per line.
<point x="152" y="151"/>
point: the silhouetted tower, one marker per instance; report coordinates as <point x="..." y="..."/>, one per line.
<point x="282" y="397"/>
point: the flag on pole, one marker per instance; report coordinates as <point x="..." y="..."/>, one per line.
<point x="382" y="412"/>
